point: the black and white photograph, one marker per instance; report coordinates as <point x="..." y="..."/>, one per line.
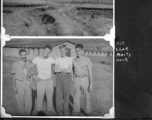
<point x="61" y="59"/>
<point x="57" y="77"/>
<point x="57" y="17"/>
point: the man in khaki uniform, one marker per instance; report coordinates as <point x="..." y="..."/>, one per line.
<point x="22" y="84"/>
<point x="82" y="80"/>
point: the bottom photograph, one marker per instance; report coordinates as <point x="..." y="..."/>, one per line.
<point x="57" y="77"/>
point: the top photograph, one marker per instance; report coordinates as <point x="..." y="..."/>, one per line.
<point x="57" y="17"/>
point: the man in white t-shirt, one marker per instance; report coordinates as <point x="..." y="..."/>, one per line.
<point x="45" y="79"/>
<point x="63" y="67"/>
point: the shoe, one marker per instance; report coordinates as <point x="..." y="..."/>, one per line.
<point x="54" y="113"/>
<point x="51" y="113"/>
<point x="88" y="114"/>
<point x="60" y="114"/>
<point x="67" y="114"/>
<point x="41" y="113"/>
<point x="76" y="114"/>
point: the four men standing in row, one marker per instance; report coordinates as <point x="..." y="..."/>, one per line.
<point x="67" y="69"/>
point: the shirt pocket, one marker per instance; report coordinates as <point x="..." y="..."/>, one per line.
<point x="84" y="63"/>
<point x="19" y="72"/>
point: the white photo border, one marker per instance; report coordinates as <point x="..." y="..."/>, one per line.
<point x="108" y="37"/>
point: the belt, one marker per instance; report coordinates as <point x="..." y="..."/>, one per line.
<point x="21" y="80"/>
<point x="81" y="76"/>
<point x="63" y="73"/>
<point x="44" y="79"/>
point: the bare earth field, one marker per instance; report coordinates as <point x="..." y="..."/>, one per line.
<point x="101" y="96"/>
<point x="58" y="19"/>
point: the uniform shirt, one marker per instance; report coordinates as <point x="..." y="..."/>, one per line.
<point x="81" y="66"/>
<point x="44" y="67"/>
<point x="64" y="62"/>
<point x="21" y="72"/>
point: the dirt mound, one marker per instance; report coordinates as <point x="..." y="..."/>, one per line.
<point x="51" y="21"/>
<point x="19" y="23"/>
<point x="96" y="22"/>
<point x="47" y="19"/>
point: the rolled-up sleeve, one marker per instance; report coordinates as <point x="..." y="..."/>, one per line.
<point x="14" y="69"/>
<point x="53" y="61"/>
<point x="89" y="63"/>
<point x="33" y="66"/>
<point x="71" y="61"/>
<point x="31" y="70"/>
<point x="56" y="62"/>
<point x="35" y="70"/>
<point x="34" y="60"/>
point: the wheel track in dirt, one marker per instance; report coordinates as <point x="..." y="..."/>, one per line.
<point x="47" y="21"/>
<point x="66" y="25"/>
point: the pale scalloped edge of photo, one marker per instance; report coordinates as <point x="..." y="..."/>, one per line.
<point x="108" y="37"/>
<point x="4" y="37"/>
<point x="111" y="37"/>
<point x="111" y="114"/>
<point x="4" y="114"/>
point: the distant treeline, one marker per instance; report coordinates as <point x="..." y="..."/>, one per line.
<point x="21" y="5"/>
<point x="85" y="1"/>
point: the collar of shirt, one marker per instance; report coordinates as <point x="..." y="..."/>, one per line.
<point x="64" y="57"/>
<point x="80" y="59"/>
<point x="42" y="57"/>
<point x="25" y="64"/>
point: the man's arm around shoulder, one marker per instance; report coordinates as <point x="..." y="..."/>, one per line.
<point x="90" y="88"/>
<point x="13" y="75"/>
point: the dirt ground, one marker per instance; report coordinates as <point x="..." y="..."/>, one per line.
<point x="101" y="96"/>
<point x="56" y="20"/>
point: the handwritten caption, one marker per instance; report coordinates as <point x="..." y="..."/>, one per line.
<point x="122" y="52"/>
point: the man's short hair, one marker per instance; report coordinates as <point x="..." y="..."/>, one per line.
<point x="48" y="46"/>
<point x="22" y="50"/>
<point x="79" y="46"/>
<point x="63" y="46"/>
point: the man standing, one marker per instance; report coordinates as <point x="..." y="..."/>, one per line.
<point x="45" y="80"/>
<point x="63" y="67"/>
<point x="22" y="84"/>
<point x="82" y="80"/>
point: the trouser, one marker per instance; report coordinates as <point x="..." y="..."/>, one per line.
<point x="45" y="87"/>
<point x="63" y="90"/>
<point x="24" y="97"/>
<point x="81" y="86"/>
